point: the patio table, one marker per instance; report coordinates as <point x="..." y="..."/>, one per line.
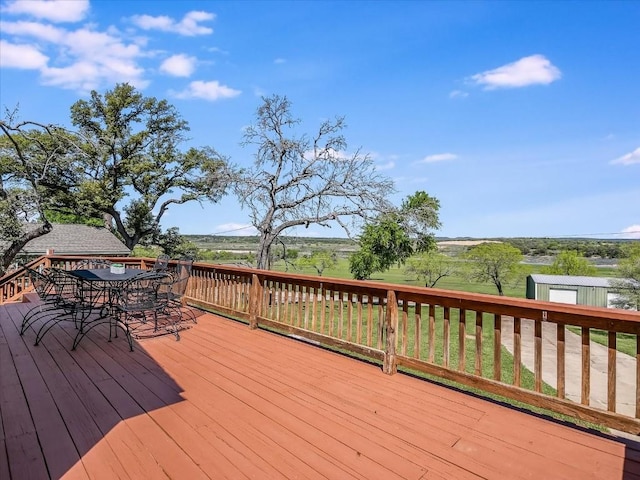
<point x="95" y="294"/>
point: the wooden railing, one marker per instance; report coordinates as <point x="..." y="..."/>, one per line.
<point x="457" y="336"/>
<point x="451" y="335"/>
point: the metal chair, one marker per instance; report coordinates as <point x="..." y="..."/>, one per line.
<point x="177" y="289"/>
<point x="141" y="301"/>
<point x="58" y="293"/>
<point x="91" y="263"/>
<point x="162" y="263"/>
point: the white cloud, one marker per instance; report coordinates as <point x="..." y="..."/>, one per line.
<point x="179" y="65"/>
<point x="439" y="157"/>
<point x="40" y="31"/>
<point x="532" y="70"/>
<point x="458" y="94"/>
<point x="279" y="61"/>
<point x="631" y="232"/>
<point x="387" y="166"/>
<point x="81" y="60"/>
<point x="628" y="159"/>
<point x="21" y="56"/>
<point x="207" y="91"/>
<point x="52" y="10"/>
<point x="189" y="26"/>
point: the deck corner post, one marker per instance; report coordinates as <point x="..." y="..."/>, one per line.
<point x="254" y="301"/>
<point x="390" y="366"/>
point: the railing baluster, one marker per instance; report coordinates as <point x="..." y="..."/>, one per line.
<point x="611" y="377"/>
<point x="418" y="331"/>
<point x="446" y="337"/>
<point x="517" y="352"/>
<point x="369" y="321"/>
<point x="405" y="326"/>
<point x="478" y="359"/>
<point x="314" y="307"/>
<point x="586" y="367"/>
<point x="432" y="333"/>
<point x="340" y="313"/>
<point x="382" y="320"/>
<point x="537" y="355"/>
<point x="331" y="312"/>
<point x="560" y="360"/>
<point x="497" y="347"/>
<point x="359" y="325"/>
<point x="462" y="336"/>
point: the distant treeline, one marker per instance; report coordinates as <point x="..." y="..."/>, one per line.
<point x="587" y="247"/>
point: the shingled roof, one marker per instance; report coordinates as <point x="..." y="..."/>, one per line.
<point x="73" y="239"/>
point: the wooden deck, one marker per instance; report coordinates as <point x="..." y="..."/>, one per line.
<point x="230" y="402"/>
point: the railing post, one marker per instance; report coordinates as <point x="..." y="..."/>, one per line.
<point x="391" y="322"/>
<point x="255" y="294"/>
<point x="47" y="259"/>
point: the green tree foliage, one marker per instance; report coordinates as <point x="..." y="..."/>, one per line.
<point x="34" y="164"/>
<point x="570" y="262"/>
<point x="175" y="245"/>
<point x="498" y="263"/>
<point x="395" y="236"/>
<point x="73" y="218"/>
<point x="431" y="267"/>
<point x="298" y="180"/>
<point x="319" y="261"/>
<point x="131" y="168"/>
<point x="382" y="244"/>
<point x="627" y="287"/>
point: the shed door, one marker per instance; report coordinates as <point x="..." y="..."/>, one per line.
<point x="563" y="296"/>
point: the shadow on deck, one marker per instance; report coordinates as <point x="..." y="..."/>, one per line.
<point x="229" y="402"/>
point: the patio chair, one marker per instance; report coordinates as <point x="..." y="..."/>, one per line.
<point x="58" y="293"/>
<point x="177" y="289"/>
<point x="140" y="301"/>
<point x="43" y="285"/>
<point x="162" y="263"/>
<point x="91" y="263"/>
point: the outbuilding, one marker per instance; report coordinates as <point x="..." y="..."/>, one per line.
<point x="575" y="290"/>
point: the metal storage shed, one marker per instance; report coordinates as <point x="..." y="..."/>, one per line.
<point x="593" y="291"/>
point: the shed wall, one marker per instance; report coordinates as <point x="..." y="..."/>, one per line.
<point x="593" y="296"/>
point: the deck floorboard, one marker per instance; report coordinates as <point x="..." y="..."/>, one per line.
<point x="229" y="402"/>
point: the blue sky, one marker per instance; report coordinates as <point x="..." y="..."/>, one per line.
<point x="522" y="118"/>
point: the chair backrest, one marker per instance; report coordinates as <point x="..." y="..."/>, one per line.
<point x="42" y="283"/>
<point x="91" y="263"/>
<point x="65" y="287"/>
<point x="183" y="271"/>
<point x="184" y="264"/>
<point x="144" y="291"/>
<point x="161" y="263"/>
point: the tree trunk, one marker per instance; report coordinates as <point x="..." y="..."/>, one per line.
<point x="9" y="253"/>
<point x="263" y="257"/>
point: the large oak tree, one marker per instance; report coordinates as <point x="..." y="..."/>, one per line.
<point x="132" y="168"/>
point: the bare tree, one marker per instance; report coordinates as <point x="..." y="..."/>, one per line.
<point x="297" y="180"/>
